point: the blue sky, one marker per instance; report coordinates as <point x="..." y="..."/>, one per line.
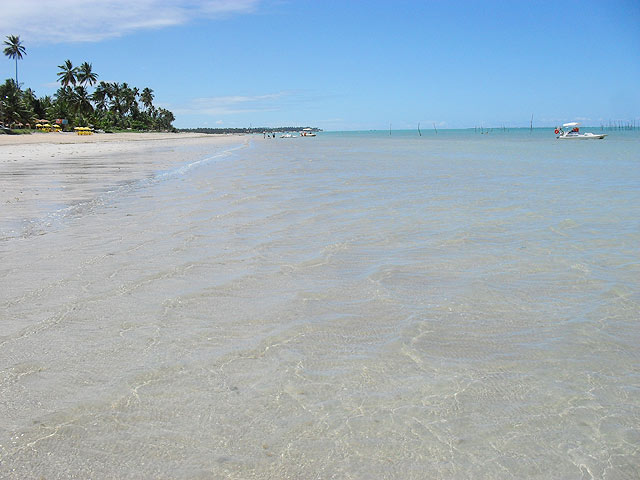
<point x="346" y="65"/>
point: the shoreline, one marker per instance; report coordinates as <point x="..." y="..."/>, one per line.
<point x="40" y="173"/>
<point x="73" y="138"/>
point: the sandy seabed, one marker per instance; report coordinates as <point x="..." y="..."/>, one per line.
<point x="51" y="170"/>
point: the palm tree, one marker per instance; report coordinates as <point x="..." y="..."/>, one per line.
<point x="84" y="74"/>
<point x="64" y="94"/>
<point x="164" y="119"/>
<point x="14" y="49"/>
<point x="100" y="96"/>
<point x="115" y="94"/>
<point x="129" y="97"/>
<point x="67" y="74"/>
<point x="81" y="100"/>
<point x="62" y="107"/>
<point x="31" y="101"/>
<point x="147" y="98"/>
<point x="13" y="109"/>
<point x="45" y="104"/>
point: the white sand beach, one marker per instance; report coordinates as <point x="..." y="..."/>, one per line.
<point x="41" y="170"/>
<point x="72" y="138"/>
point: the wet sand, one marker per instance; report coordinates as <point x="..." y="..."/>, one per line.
<point x="41" y="172"/>
<point x="72" y="138"/>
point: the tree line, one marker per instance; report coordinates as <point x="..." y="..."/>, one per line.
<point x="111" y="105"/>
<point x="247" y="130"/>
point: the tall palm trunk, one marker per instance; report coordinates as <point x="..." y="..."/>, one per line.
<point x="14" y="49"/>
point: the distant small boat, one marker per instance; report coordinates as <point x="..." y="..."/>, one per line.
<point x="573" y="133"/>
<point x="286" y="135"/>
<point x="307" y="132"/>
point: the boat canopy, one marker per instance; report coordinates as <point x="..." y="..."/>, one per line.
<point x="570" y="124"/>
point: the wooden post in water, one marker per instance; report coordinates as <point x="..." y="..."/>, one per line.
<point x="419" y="132"/>
<point x="389" y="128"/>
<point x="434" y="127"/>
<point x="531" y="125"/>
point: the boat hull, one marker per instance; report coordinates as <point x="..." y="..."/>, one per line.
<point x="586" y="136"/>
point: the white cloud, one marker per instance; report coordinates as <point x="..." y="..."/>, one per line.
<point x="55" y="85"/>
<point x="37" y="21"/>
<point x="230" y="105"/>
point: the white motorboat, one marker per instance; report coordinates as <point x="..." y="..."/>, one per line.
<point x="572" y="132"/>
<point x="307" y="132"/>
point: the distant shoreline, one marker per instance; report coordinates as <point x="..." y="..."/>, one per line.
<point x="250" y="130"/>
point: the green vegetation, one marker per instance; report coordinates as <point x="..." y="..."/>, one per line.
<point x="110" y="106"/>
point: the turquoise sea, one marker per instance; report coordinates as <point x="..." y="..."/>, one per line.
<point x="356" y="305"/>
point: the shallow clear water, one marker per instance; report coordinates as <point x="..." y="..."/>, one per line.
<point x="346" y="306"/>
